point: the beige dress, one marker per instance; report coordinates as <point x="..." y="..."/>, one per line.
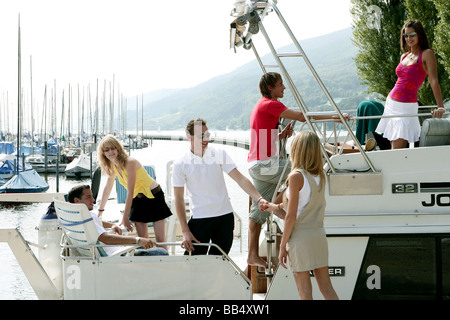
<point x="308" y="247"/>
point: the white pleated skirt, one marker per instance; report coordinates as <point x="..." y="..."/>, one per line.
<point x="406" y="128"/>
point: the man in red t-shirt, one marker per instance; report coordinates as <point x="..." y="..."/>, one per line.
<point x="265" y="167"/>
<point x="264" y="129"/>
<point x="264" y="164"/>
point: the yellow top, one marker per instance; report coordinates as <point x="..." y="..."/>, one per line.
<point x="143" y="181"/>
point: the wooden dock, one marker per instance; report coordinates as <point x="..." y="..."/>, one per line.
<point x="31" y="197"/>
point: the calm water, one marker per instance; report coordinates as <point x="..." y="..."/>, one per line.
<point x="13" y="282"/>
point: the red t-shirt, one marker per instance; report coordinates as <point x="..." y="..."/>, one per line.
<point x="264" y="129"/>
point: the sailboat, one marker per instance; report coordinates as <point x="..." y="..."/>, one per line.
<point x="85" y="164"/>
<point x="8" y="168"/>
<point x="82" y="166"/>
<point x="27" y="180"/>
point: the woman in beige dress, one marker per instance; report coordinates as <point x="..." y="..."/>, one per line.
<point x="304" y="243"/>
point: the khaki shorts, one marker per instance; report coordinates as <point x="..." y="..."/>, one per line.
<point x="265" y="179"/>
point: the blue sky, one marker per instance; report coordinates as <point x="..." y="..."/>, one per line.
<point x="148" y="45"/>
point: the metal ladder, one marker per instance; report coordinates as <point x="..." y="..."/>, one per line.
<point x="262" y="9"/>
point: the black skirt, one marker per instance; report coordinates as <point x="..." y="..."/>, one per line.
<point x="147" y="210"/>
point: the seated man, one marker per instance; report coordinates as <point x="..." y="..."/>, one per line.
<point x="83" y="194"/>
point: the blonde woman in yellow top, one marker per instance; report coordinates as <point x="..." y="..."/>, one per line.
<point x="145" y="200"/>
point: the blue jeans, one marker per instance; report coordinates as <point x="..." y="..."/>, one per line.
<point x="140" y="251"/>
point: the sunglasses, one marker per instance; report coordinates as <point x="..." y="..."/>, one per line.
<point x="107" y="149"/>
<point x="411" y="34"/>
<point x="204" y="135"/>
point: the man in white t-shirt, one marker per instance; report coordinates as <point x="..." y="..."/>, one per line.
<point x="201" y="170"/>
<point x="83" y="194"/>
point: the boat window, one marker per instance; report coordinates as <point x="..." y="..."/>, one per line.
<point x="405" y="268"/>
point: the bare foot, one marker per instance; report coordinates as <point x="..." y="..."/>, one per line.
<point x="257" y="262"/>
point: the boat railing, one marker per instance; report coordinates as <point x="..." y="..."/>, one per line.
<point x="335" y="137"/>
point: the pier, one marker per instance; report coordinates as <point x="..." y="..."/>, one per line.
<point x="31" y="197"/>
<point x="240" y="142"/>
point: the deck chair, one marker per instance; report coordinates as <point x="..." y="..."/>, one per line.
<point x="79" y="230"/>
<point x="435" y="132"/>
<point x="122" y="192"/>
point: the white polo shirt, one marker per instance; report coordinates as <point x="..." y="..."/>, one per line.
<point x="100" y="229"/>
<point x="204" y="181"/>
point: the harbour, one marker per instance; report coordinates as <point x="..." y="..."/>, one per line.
<point x="14" y="284"/>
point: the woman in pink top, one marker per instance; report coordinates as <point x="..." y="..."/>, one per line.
<point x="417" y="61"/>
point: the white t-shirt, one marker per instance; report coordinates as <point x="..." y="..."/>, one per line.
<point x="204" y="181"/>
<point x="304" y="193"/>
<point x="100" y="229"/>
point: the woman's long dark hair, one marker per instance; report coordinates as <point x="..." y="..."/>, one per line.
<point x="418" y="27"/>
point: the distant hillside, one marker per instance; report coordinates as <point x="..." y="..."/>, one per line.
<point x="227" y="100"/>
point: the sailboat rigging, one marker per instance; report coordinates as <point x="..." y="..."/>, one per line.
<point x="27" y="180"/>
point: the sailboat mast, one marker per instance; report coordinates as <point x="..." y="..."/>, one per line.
<point x="19" y="98"/>
<point x="32" y="111"/>
<point x="69" y="117"/>
<point x="96" y="115"/>
<point x="137" y="116"/>
<point x="104" y="108"/>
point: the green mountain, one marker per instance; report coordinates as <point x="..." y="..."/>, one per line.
<point x="227" y="100"/>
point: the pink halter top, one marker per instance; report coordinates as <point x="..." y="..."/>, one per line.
<point x="409" y="80"/>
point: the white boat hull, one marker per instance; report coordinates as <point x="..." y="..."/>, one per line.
<point x="157" y="277"/>
<point x="81" y="167"/>
<point x="409" y="218"/>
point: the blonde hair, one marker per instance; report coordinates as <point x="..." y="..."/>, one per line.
<point x="306" y="154"/>
<point x="106" y="165"/>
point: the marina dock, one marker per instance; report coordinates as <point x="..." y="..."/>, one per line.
<point x="240" y="142"/>
<point x="31" y="197"/>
